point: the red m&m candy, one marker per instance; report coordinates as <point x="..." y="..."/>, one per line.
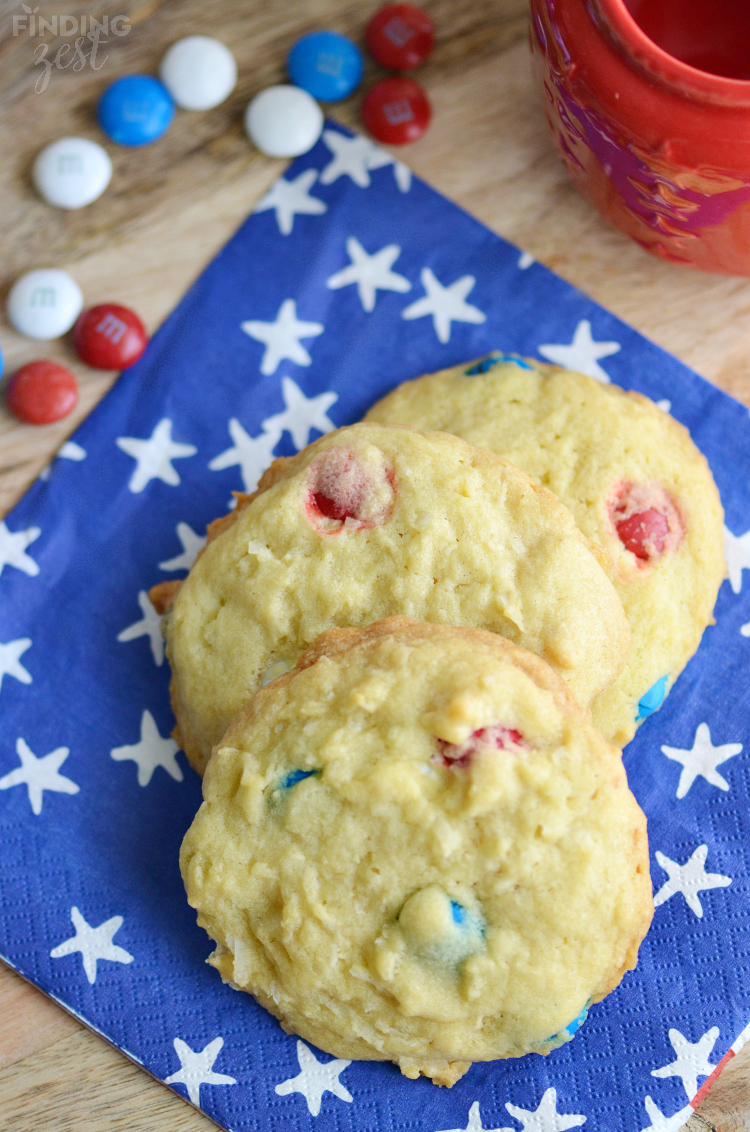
<point x="400" y="37"/>
<point x="396" y="111"/>
<point x="42" y="392"/>
<point x="109" y="337"/>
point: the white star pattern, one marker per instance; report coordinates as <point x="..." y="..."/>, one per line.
<point x="356" y="157"/>
<point x="282" y="337"/>
<point x="152" y="751"/>
<point x="196" y="1069"/>
<point x="692" y="1060"/>
<point x="93" y="943"/>
<point x="475" y="1123"/>
<point x="702" y="759"/>
<point x="525" y="261"/>
<point x="252" y="453"/>
<point x="39" y="774"/>
<point x="154" y="456"/>
<point x="72" y="451"/>
<point x="10" y="660"/>
<point x="736" y="552"/>
<point x="445" y="304"/>
<point x="583" y="353"/>
<point x="745" y="629"/>
<point x="662" y="1123"/>
<point x="315" y="1078"/>
<point x="149" y="626"/>
<point x="291" y="198"/>
<point x="191" y="544"/>
<point x="69" y="451"/>
<point x="370" y="272"/>
<point x="664" y="405"/>
<point x="546" y="1118"/>
<point x="13" y="549"/>
<point x="302" y="414"/>
<point x="689" y="879"/>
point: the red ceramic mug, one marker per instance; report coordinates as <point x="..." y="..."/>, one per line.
<point x="649" y="104"/>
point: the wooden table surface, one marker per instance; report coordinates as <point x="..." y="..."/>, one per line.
<point x="170" y="207"/>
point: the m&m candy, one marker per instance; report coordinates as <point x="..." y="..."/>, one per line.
<point x="109" y="337"/>
<point x="284" y="121"/>
<point x="400" y="37"/>
<point x="42" y="392"/>
<point x="135" y="110"/>
<point x="327" y="65"/>
<point x="44" y="303"/>
<point x="396" y="111"/>
<point x="72" y="172"/>
<point x="199" y="72"/>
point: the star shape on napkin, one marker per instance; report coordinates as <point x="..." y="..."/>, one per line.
<point x="151" y="752"/>
<point x="692" y="1060"/>
<point x="546" y="1118"/>
<point x="583" y="353"/>
<point x="13" y="546"/>
<point x="148" y="626"/>
<point x="154" y="456"/>
<point x="701" y="760"/>
<point x="10" y="660"/>
<point x="93" y="943"/>
<point x="302" y="414"/>
<point x="445" y="304"/>
<point x="354" y="158"/>
<point x="282" y="337"/>
<point x="252" y="453"/>
<point x="315" y="1078"/>
<point x="191" y="544"/>
<point x="196" y="1068"/>
<point x="371" y="273"/>
<point x="662" y="1123"/>
<point x="737" y="553"/>
<point x="292" y="198"/>
<point x="39" y="774"/>
<point x="689" y="879"/>
<point x="475" y="1123"/>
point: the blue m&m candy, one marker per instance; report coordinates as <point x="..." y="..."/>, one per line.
<point x="135" y="110"/>
<point x="325" y="64"/>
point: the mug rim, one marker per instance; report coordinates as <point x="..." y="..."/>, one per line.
<point x="660" y="63"/>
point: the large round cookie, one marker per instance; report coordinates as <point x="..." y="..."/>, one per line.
<point x="634" y="481"/>
<point x="371" y="521"/>
<point x="416" y="847"/>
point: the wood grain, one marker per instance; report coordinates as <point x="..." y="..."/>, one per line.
<point x="169" y="209"/>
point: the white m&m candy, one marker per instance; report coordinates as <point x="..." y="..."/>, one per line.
<point x="72" y="172"/>
<point x="44" y="303"/>
<point x="284" y="121"/>
<point x="199" y="72"/>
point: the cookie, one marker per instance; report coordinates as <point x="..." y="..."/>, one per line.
<point x="416" y="847"/>
<point x="634" y="482"/>
<point x="370" y="521"/>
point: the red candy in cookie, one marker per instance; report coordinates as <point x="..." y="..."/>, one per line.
<point x="646" y="520"/>
<point x="396" y="111"/>
<point x="643" y="533"/>
<point x="400" y="37"/>
<point x="42" y="392"/>
<point x="343" y="493"/>
<point x="109" y="336"/>
<point x="493" y="738"/>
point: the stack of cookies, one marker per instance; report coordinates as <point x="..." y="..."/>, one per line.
<point x="406" y="665"/>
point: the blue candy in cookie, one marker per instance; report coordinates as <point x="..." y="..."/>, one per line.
<point x="496" y="359"/>
<point x="652" y="700"/>
<point x="440" y="930"/>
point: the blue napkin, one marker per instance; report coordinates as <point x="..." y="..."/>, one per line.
<point x="350" y="276"/>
